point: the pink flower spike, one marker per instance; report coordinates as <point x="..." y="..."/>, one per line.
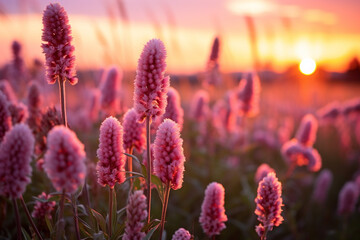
<point x="169" y="154"/>
<point x="134" y="132"/>
<point x="5" y="118"/>
<point x="181" y="234"/>
<point x="58" y="49"/>
<point x="19" y="112"/>
<point x="34" y="98"/>
<point x="262" y="171"/>
<point x="306" y="133"/>
<point x="43" y="209"/>
<point x="314" y="159"/>
<point x="111" y="165"/>
<point x="269" y="203"/>
<point x="292" y="152"/>
<point x="322" y="186"/>
<point x="348" y="197"/>
<point x="8" y="91"/>
<point x="213" y="217"/>
<point x="109" y="88"/>
<point x="248" y="95"/>
<point x="136" y="215"/>
<point x="64" y="161"/>
<point x="15" y="157"/>
<point x="200" y="106"/>
<point x="174" y="111"/>
<point x="150" y="84"/>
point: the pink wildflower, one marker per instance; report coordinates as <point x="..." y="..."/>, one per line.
<point x="109" y="88"/>
<point x="5" y="118"/>
<point x="43" y="209"/>
<point x="174" y="111"/>
<point x="34" y="98"/>
<point x="111" y="165"/>
<point x="268" y="203"/>
<point x="7" y="90"/>
<point x="262" y="171"/>
<point x="169" y="154"/>
<point x="213" y="217"/>
<point x="322" y="186"/>
<point x="248" y="95"/>
<point x="181" y="234"/>
<point x="49" y="119"/>
<point x="136" y="215"/>
<point x="212" y="72"/>
<point x="348" y="197"/>
<point x="330" y="112"/>
<point x="200" y="106"/>
<point x="134" y="132"/>
<point x="150" y="84"/>
<point x="19" y="112"/>
<point x="351" y="107"/>
<point x="306" y="133"/>
<point x="58" y="49"/>
<point x="15" y="157"/>
<point x="313" y="159"/>
<point x="64" y="159"/>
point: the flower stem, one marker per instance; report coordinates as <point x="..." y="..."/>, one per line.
<point x="164" y="208"/>
<point x="148" y="168"/>
<point x="130" y="166"/>
<point x="17" y="217"/>
<point x="63" y="101"/>
<point x="76" y="217"/>
<point x="60" y="221"/>
<point x="110" y="210"/>
<point x="30" y="218"/>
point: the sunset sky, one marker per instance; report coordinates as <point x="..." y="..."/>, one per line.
<point x="287" y="31"/>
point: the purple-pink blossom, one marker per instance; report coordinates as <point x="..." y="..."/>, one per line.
<point x="322" y="185"/>
<point x="18" y="112"/>
<point x="173" y="110"/>
<point x="151" y="85"/>
<point x="64" y="161"/>
<point x="134" y="132"/>
<point x="200" y="106"/>
<point x="111" y="165"/>
<point x="5" y="117"/>
<point x="15" y="157"/>
<point x="7" y="90"/>
<point x="348" y="197"/>
<point x="306" y="133"/>
<point x="181" y="234"/>
<point x="262" y="171"/>
<point x="248" y="95"/>
<point x="268" y="203"/>
<point x="136" y="215"/>
<point x="213" y="217"/>
<point x="58" y="48"/>
<point x="43" y="209"/>
<point x="109" y="88"/>
<point x="169" y="154"/>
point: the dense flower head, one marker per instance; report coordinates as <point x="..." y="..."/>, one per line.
<point x="200" y="106"/>
<point x="43" y="209"/>
<point x="58" y="49"/>
<point x="213" y="76"/>
<point x="173" y="110"/>
<point x="306" y="133"/>
<point x="351" y="107"/>
<point x="136" y="215"/>
<point x="5" y="117"/>
<point x="111" y="165"/>
<point x="15" y="157"/>
<point x="134" y="132"/>
<point x="7" y="90"/>
<point x="269" y="203"/>
<point x="169" y="156"/>
<point x="215" y="50"/>
<point x="322" y="186"/>
<point x="151" y="85"/>
<point x="109" y="88"/>
<point x="248" y="95"/>
<point x="330" y="112"/>
<point x="348" y="197"/>
<point x="34" y="98"/>
<point x="16" y="48"/>
<point x="181" y="234"/>
<point x="313" y="159"/>
<point x="49" y="119"/>
<point x="262" y="171"/>
<point x="64" y="161"/>
<point x="18" y="112"/>
<point x="213" y="217"/>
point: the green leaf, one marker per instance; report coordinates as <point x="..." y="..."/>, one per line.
<point x="151" y="232"/>
<point x="25" y="234"/>
<point x="49" y="224"/>
<point x="133" y="157"/>
<point x="99" y="219"/>
<point x="118" y="232"/>
<point x="160" y="187"/>
<point x="114" y="211"/>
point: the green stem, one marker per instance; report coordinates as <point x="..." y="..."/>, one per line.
<point x="30" y="218"/>
<point x="130" y="166"/>
<point x="110" y="210"/>
<point x="61" y="221"/>
<point x="17" y="217"/>
<point x="148" y="195"/>
<point x="63" y="101"/>
<point x="164" y="208"/>
<point x="76" y="217"/>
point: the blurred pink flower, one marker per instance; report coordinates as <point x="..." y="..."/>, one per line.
<point x="351" y="107"/>
<point x="8" y="91"/>
<point x="262" y="171"/>
<point x="213" y="217"/>
<point x="181" y="234"/>
<point x="313" y="158"/>
<point x="322" y="185"/>
<point x="58" y="49"/>
<point x="150" y="84"/>
<point x="19" y="112"/>
<point x="111" y="165"/>
<point x="248" y="95"/>
<point x="64" y="159"/>
<point x="42" y="209"/>
<point x="15" y="157"/>
<point x="306" y="133"/>
<point x="18" y="62"/>
<point x="136" y="215"/>
<point x="213" y="76"/>
<point x="269" y="203"/>
<point x="348" y="197"/>
<point x="34" y="101"/>
<point x="169" y="154"/>
<point x="134" y="132"/>
<point x="330" y="112"/>
<point x="109" y="88"/>
<point x="94" y="105"/>
<point x="200" y="106"/>
<point x="173" y="110"/>
<point x="5" y="117"/>
<point x="50" y="118"/>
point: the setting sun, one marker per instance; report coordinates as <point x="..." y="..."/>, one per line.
<point x="307" y="66"/>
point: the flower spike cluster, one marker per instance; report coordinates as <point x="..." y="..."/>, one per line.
<point x="322" y="186"/>
<point x="174" y="111"/>
<point x="306" y="133"/>
<point x="43" y="209"/>
<point x="134" y="132"/>
<point x="109" y="88"/>
<point x="181" y="234"/>
<point x="249" y="95"/>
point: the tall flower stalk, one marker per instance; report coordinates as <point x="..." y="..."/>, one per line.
<point x="151" y="88"/>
